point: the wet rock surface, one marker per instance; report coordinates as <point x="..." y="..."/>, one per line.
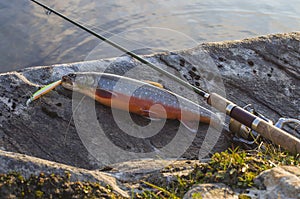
<point x="58" y="127"/>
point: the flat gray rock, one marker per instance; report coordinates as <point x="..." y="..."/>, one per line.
<point x="262" y="71"/>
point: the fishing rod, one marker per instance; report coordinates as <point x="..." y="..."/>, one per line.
<point x="242" y="116"/>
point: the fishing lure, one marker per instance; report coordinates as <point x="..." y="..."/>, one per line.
<point x="43" y="91"/>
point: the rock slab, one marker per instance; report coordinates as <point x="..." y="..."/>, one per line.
<point x="262" y="71"/>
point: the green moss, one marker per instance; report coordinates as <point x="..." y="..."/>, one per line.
<point x="50" y="186"/>
<point x="242" y="196"/>
<point x="234" y="167"/>
<point x="196" y="196"/>
<point x="39" y="194"/>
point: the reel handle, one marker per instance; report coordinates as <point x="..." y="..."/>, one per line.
<point x="267" y="130"/>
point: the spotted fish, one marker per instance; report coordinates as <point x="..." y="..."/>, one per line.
<point x="140" y="97"/>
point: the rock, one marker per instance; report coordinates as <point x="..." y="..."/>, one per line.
<point x="27" y="166"/>
<point x="136" y="170"/>
<point x="266" y="70"/>
<point x="150" y="170"/>
<point x="211" y="191"/>
<point x="262" y="71"/>
<point x="46" y="128"/>
<point x="279" y="182"/>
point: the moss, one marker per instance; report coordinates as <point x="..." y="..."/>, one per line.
<point x="50" y="186"/>
<point x="196" y="196"/>
<point x="242" y="196"/>
<point x="236" y="168"/>
<point x="39" y="194"/>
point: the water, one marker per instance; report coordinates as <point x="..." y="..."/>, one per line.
<point x="30" y="37"/>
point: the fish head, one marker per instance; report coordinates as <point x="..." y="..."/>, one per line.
<point x="68" y="81"/>
<point x="78" y="81"/>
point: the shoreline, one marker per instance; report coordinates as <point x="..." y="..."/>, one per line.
<point x="263" y="71"/>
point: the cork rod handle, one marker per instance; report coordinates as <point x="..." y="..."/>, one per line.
<point x="267" y="130"/>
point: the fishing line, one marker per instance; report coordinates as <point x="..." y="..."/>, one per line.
<point x="103" y="31"/>
<point x="69" y="123"/>
<point x="114" y="32"/>
<point x="118" y="35"/>
<point x="111" y="34"/>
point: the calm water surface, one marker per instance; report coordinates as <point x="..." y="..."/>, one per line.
<point x="30" y="37"/>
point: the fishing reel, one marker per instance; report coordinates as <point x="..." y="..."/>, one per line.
<point x="245" y="135"/>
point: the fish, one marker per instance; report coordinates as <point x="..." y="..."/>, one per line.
<point x="145" y="98"/>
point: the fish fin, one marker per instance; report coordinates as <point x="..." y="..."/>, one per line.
<point x="105" y="93"/>
<point x="152" y="118"/>
<point x="191" y="125"/>
<point x="154" y="83"/>
<point x="150" y="115"/>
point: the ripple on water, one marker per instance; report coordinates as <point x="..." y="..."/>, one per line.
<point x="30" y="37"/>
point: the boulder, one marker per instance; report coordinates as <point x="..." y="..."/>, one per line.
<point x="278" y="182"/>
<point x="209" y="191"/>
